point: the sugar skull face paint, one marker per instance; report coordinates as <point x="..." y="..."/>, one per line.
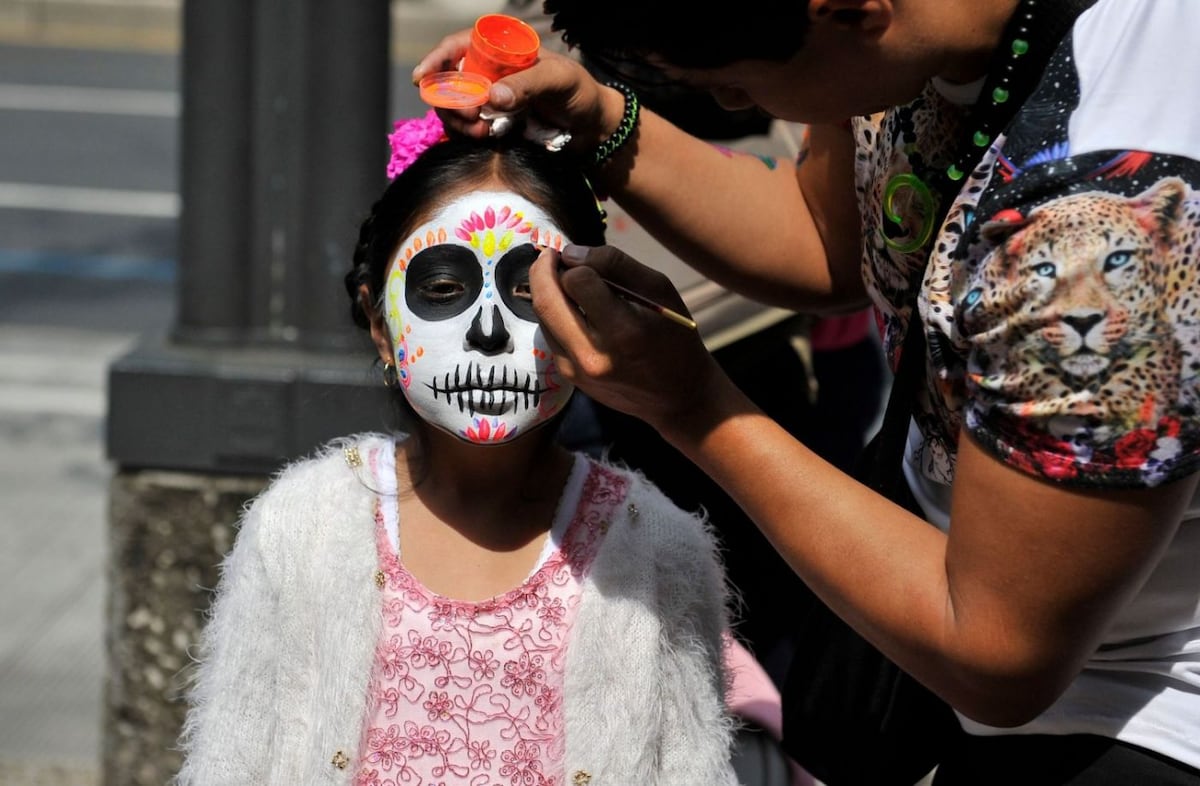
<point x="471" y="357"/>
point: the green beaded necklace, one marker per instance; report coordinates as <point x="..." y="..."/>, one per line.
<point x="1020" y="59"/>
<point x="988" y="117"/>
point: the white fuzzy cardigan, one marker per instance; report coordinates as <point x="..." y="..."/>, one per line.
<point x="280" y="693"/>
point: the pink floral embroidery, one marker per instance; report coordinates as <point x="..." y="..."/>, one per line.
<point x="438" y="705"/>
<point x="393" y="611"/>
<point x="483" y="665"/>
<point x="521" y="765"/>
<point x="462" y="688"/>
<point x="481" y="755"/>
<point x="390" y="702"/>
<point x="524" y="676"/>
<point x="552" y="611"/>
<point x="442" y="615"/>
<point x="530" y="594"/>
<point x="425" y="652"/>
<point x="385" y="747"/>
<point x="391" y="659"/>
<point x="424" y="740"/>
<point x="548" y="699"/>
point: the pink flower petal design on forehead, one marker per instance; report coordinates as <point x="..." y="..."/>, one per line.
<point x="476" y="228"/>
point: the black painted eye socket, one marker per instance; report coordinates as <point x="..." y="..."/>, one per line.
<point x="442" y="281"/>
<point x="512" y="280"/>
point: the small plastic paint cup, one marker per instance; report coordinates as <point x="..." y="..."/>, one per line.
<point x="454" y="89"/>
<point x="500" y="45"/>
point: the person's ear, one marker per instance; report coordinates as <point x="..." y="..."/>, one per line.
<point x="871" y="16"/>
<point x="380" y="336"/>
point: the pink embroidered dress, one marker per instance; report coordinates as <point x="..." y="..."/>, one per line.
<point x="471" y="692"/>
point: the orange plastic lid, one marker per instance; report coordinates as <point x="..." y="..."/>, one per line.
<point x="507" y="39"/>
<point x="454" y="89"/>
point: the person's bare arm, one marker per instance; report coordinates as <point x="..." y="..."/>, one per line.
<point x="788" y="236"/>
<point x="997" y="617"/>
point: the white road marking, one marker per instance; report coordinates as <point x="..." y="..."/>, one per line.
<point x="89" y="100"/>
<point x="101" y="201"/>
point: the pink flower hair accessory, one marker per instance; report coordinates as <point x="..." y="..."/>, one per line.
<point x="410" y="138"/>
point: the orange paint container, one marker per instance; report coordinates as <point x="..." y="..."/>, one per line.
<point x="500" y="45"/>
<point x="454" y="89"/>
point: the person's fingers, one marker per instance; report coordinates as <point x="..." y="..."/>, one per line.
<point x="444" y="56"/>
<point x="613" y="265"/>
<point x="465" y="122"/>
<point x="606" y="313"/>
<point x="564" y="326"/>
<point x="557" y="89"/>
<point x="551" y="75"/>
<point x="560" y="92"/>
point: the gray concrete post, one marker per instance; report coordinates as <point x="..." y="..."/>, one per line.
<point x="283" y="150"/>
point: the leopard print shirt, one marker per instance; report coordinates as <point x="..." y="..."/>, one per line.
<point x="1059" y="296"/>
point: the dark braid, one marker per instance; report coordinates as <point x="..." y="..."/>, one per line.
<point x="360" y="270"/>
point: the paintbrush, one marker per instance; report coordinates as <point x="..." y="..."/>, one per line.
<point x="642" y="300"/>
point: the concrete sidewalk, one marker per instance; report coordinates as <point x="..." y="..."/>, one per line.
<point x="52" y="583"/>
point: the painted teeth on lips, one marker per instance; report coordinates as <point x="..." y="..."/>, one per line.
<point x="474" y="392"/>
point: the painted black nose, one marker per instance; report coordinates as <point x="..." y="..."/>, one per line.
<point x="492" y="342"/>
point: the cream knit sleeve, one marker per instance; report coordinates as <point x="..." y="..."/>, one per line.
<point x="227" y="735"/>
<point x="697" y="728"/>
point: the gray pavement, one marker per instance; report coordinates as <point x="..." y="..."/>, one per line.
<point x="52" y="586"/>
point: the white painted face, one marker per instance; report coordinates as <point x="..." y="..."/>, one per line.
<point x="471" y="357"/>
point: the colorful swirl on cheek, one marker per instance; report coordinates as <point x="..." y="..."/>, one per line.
<point x="395" y="322"/>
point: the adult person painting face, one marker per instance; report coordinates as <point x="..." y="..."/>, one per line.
<point x="1015" y="181"/>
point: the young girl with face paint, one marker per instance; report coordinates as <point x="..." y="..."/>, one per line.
<point x="472" y="604"/>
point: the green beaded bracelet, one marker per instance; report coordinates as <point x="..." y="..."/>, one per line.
<point x="617" y="139"/>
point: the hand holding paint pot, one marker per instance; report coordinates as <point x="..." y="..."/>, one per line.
<point x="499" y="45"/>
